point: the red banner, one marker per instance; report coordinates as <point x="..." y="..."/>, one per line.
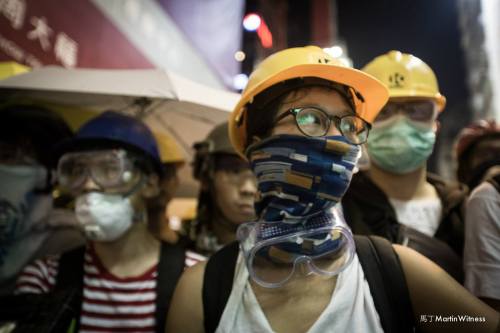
<point x="68" y="33"/>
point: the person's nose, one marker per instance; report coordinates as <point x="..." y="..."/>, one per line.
<point x="248" y="185"/>
<point x="333" y="130"/>
<point x="89" y="185"/>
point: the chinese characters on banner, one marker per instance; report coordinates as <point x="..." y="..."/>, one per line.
<point x="72" y="34"/>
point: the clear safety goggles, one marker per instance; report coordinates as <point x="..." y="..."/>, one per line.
<point x="274" y="250"/>
<point x="416" y="110"/>
<point x="109" y="169"/>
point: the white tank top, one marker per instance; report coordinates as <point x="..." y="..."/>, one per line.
<point x="351" y="308"/>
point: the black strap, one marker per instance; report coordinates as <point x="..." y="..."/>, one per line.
<point x="387" y="283"/>
<point x="69" y="283"/>
<point x="70" y="271"/>
<point x="380" y="264"/>
<point x="170" y="268"/>
<point x="217" y="284"/>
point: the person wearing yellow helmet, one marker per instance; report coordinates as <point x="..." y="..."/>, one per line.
<point x="171" y="159"/>
<point x="396" y="197"/>
<point x="298" y="268"/>
<point x="226" y="197"/>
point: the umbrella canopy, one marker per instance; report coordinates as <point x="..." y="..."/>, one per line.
<point x="167" y="102"/>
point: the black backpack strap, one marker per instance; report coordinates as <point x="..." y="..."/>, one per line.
<point x="217" y="284"/>
<point x="387" y="282"/>
<point x="70" y="271"/>
<point x="170" y="268"/>
<point x="68" y="290"/>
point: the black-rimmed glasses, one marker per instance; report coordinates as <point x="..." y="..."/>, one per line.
<point x="315" y="122"/>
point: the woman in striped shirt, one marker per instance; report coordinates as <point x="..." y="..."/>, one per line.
<point x="112" y="168"/>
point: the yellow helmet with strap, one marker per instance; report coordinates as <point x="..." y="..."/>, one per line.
<point x="169" y="149"/>
<point x="369" y="95"/>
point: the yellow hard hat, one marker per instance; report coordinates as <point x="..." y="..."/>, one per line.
<point x="406" y="76"/>
<point x="11" y="68"/>
<point x="299" y="62"/>
<point x="169" y="150"/>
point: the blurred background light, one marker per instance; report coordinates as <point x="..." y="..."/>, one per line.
<point x="240" y="81"/>
<point x="239" y="56"/>
<point x="251" y="22"/>
<point x="335" y="51"/>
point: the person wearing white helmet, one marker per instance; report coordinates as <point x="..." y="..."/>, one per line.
<point x="227" y="192"/>
<point x="298" y="268"/>
<point x="396" y="197"/>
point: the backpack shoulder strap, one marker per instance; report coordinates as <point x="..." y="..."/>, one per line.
<point x="70" y="271"/>
<point x="217" y="284"/>
<point x="65" y="302"/>
<point x="387" y="282"/>
<point x="170" y="268"/>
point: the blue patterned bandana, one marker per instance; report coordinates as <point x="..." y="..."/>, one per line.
<point x="299" y="177"/>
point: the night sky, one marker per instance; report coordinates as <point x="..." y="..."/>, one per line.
<point x="427" y="29"/>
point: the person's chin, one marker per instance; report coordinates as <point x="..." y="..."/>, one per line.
<point x="243" y="218"/>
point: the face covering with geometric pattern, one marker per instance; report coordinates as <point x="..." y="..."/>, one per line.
<point x="299" y="177"/>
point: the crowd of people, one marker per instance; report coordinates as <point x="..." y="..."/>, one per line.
<point x="291" y="233"/>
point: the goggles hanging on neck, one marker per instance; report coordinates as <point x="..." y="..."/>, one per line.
<point x="274" y="250"/>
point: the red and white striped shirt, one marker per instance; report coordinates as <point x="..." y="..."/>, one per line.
<point x="110" y="303"/>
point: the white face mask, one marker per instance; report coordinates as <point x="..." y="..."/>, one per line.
<point x="17" y="185"/>
<point x="22" y="214"/>
<point x="104" y="217"/>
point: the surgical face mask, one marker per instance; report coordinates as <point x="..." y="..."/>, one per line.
<point x="104" y="217"/>
<point x="22" y="210"/>
<point x="300" y="176"/>
<point x="399" y="145"/>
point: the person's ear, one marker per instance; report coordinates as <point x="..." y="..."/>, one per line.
<point x="151" y="188"/>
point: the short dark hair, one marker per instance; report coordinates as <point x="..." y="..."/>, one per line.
<point x="37" y="127"/>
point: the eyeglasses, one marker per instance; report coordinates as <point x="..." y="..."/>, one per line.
<point x="423" y="111"/>
<point x="109" y="169"/>
<point x="315" y="122"/>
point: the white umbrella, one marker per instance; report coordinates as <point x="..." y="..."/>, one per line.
<point x="167" y="102"/>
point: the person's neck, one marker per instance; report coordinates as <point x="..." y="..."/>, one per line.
<point x="130" y="255"/>
<point x="223" y="230"/>
<point x="408" y="186"/>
